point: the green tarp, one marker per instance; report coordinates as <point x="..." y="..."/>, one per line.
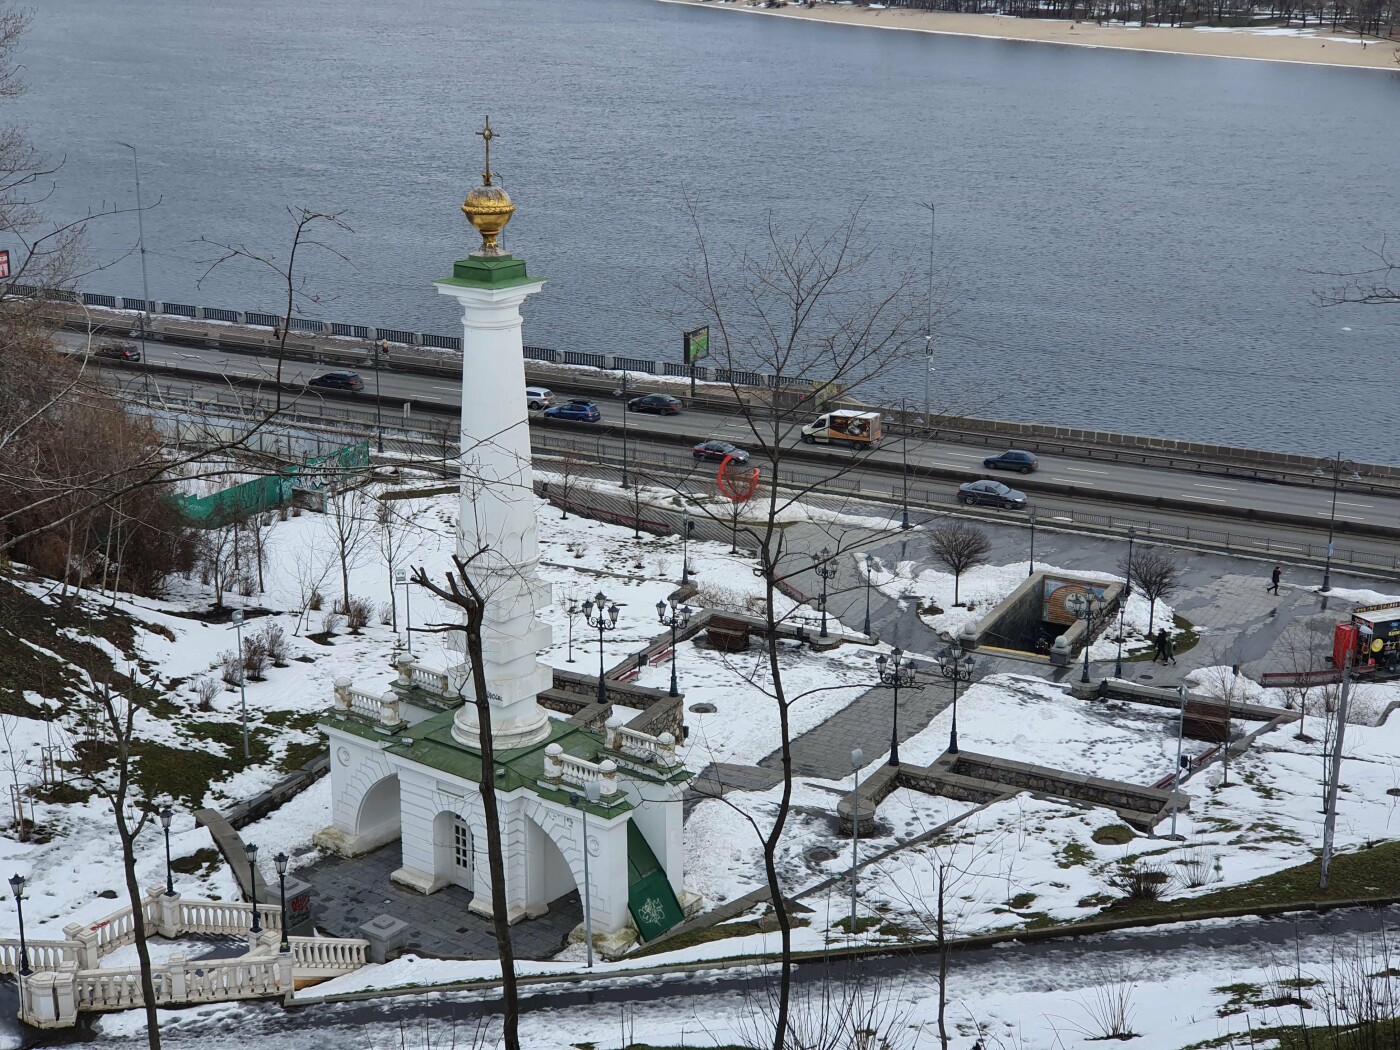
<point x="260" y="494"/>
<point x="649" y="895"/>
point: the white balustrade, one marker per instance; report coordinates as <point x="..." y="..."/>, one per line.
<point x="42" y="955"/>
<point x="109" y="989"/>
<point x="327" y="953"/>
<point x="430" y="680"/>
<point x="562" y="767"/>
<point x="364" y="704"/>
<point x="115" y="931"/>
<point x="229" y="917"/>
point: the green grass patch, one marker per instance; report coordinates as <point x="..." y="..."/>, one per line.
<point x="705" y="934"/>
<point x="1021" y="901"/>
<point x="1186" y="637"/>
<point x="1073" y="854"/>
<point x="199" y="860"/>
<point x="1372" y="1036"/>
<point x="1114" y="835"/>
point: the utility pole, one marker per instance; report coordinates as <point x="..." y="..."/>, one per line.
<point x="928" y="321"/>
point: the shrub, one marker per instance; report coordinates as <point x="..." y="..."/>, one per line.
<point x="247" y="585"/>
<point x="274" y="640"/>
<point x="1141" y="880"/>
<point x="331" y="623"/>
<point x="206" y="689"/>
<point x="358" y="613"/>
<point x="231" y="668"/>
<point x="315" y="599"/>
<point x="386" y="613"/>
<point x="255" y="657"/>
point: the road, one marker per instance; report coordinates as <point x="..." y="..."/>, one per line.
<point x="1197" y="500"/>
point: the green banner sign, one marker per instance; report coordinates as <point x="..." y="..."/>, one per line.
<point x="697" y="344"/>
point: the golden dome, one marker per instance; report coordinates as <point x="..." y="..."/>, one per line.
<point x="488" y="207"/>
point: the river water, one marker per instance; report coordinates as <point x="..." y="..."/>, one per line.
<point x="1131" y="241"/>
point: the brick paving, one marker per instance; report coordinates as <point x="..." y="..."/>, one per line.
<point x="350" y="892"/>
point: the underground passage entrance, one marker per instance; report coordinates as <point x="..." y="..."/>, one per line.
<point x="1029" y="620"/>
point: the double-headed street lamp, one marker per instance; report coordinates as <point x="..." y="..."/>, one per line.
<point x="957" y="664"/>
<point x="603" y="616"/>
<point x="165" y="817"/>
<point x="17" y="889"/>
<point x="822" y="566"/>
<point x="1123" y="603"/>
<point x="896" y="671"/>
<point x="1086" y="606"/>
<point x="677" y="618"/>
<point x="281" y="861"/>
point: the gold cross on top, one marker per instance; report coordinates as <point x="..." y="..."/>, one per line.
<point x="487" y="135"/>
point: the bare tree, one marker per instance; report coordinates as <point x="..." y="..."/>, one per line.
<point x="463" y="592"/>
<point x="1155" y="573"/>
<point x="959" y="546"/>
<point x="214" y="561"/>
<point x="393" y="520"/>
<point x="807" y="307"/>
<point x="1377" y="285"/>
<point x="306" y="222"/>
<point x="347" y="524"/>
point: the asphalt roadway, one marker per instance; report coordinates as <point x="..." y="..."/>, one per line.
<point x="1196" y="498"/>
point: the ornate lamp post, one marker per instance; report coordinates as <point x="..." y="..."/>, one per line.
<point x="572" y="610"/>
<point x="604" y="618"/>
<point x="896" y="670"/>
<point x="821" y="565"/>
<point x="1086" y="606"/>
<point x="281" y="861"/>
<point x="678" y="618"/>
<point x="1123" y="603"/>
<point x="252" y="850"/>
<point x="592" y="792"/>
<point x="17" y="890"/>
<point x="957" y="664"/>
<point x="165" y="816"/>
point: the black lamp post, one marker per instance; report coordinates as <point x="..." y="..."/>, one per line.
<point x="904" y="458"/>
<point x="1123" y="603"/>
<point x="252" y="850"/>
<point x="625" y="410"/>
<point x="1086" y="606"/>
<point x="821" y="565"/>
<point x="1332" y="523"/>
<point x="1031" y="571"/>
<point x="281" y="861"/>
<point x="572" y="610"/>
<point x="678" y="618"/>
<point x="896" y="670"/>
<point x="604" y="618"/>
<point x="957" y="664"/>
<point x="381" y="347"/>
<point x="165" y="816"/>
<point x="687" y="527"/>
<point x="17" y="889"/>
<point x="866" y="628"/>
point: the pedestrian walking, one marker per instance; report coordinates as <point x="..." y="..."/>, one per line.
<point x="277" y="333"/>
<point x="1274" y="577"/>
<point x="1169" y="648"/>
<point x="1160" y="652"/>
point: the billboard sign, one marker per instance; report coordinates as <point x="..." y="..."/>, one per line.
<point x="4" y="265"/>
<point x="697" y="344"/>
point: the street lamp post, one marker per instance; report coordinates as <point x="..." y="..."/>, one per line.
<point x="17" y="889"/>
<point x="381" y="347"/>
<point x="572" y="611"/>
<point x="857" y="761"/>
<point x="904" y="458"/>
<point x="866" y="628"/>
<point x="165" y="816"/>
<point x="1176" y="773"/>
<point x="1123" y="603"/>
<point x="1031" y="571"/>
<point x="401" y="576"/>
<point x="242" y="681"/>
<point x="1332" y="524"/>
<point x="604" y="618"/>
<point x="141" y="248"/>
<point x="592" y="793"/>
<point x="957" y="664"/>
<point x="928" y="322"/>
<point x="252" y="850"/>
<point x="625" y="410"/>
<point x="895" y="671"/>
<point x="1085" y="605"/>
<point x="687" y="527"/>
<point x="821" y="565"/>
<point x="678" y="618"/>
<point x="281" y="861"/>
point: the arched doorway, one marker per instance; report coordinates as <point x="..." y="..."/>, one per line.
<point x="453" y="850"/>
<point x="378" y="819"/>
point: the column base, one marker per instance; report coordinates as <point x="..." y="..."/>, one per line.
<point x="345" y="844"/>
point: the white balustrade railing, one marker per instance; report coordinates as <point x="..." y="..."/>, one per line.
<point x="426" y="678"/>
<point x="231" y="979"/>
<point x="560" y="767"/>
<point x="364" y="704"/>
<point x="42" y="955"/>
<point x="115" y="931"/>
<point x="639" y="746"/>
<point x="324" y="953"/>
<point x="229" y="917"/>
<point x="108" y="989"/>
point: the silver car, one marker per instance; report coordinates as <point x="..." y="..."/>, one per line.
<point x="538" y="397"/>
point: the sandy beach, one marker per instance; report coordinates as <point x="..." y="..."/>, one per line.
<point x="1311" y="46"/>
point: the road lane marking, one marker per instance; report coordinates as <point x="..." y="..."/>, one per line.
<point x="1344" y="503"/>
<point x="1085" y="470"/>
<point x="1203" y="499"/>
<point x="966" y="455"/>
<point x="1217" y="488"/>
<point x="1073" y="481"/>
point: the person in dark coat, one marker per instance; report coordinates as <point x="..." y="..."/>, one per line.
<point x="1160" y="653"/>
<point x="1274" y="576"/>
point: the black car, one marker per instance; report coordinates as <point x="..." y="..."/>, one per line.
<point x="338" y="381"/>
<point x="661" y="404"/>
<point x="991" y="494"/>
<point x="1012" y="459"/>
<point x="119" y="352"/>
<point x="718" y="450"/>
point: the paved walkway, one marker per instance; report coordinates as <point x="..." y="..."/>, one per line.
<point x="348" y="893"/>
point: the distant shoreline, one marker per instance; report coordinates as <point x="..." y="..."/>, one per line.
<point x="1306" y="47"/>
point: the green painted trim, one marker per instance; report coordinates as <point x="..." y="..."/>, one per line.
<point x="494" y="271"/>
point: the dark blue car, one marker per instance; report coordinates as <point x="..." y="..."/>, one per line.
<point x="578" y="409"/>
<point x="1012" y="459"/>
